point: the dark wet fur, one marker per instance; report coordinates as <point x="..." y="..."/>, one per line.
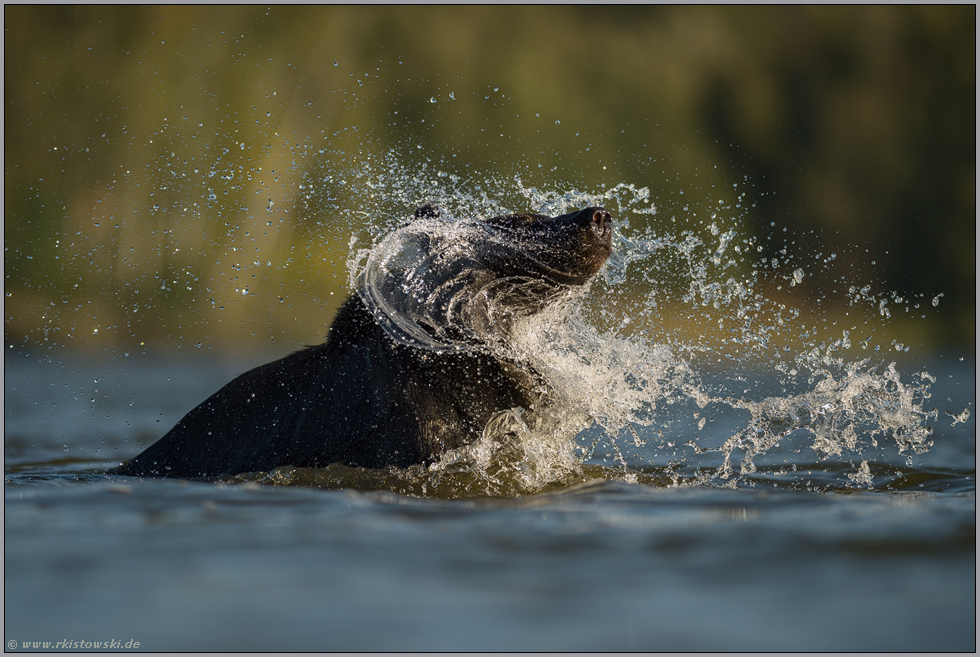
<point x="361" y="398"/>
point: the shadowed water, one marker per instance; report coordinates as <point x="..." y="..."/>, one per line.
<point x="613" y="558"/>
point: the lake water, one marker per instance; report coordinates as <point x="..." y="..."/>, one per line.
<point x="802" y="554"/>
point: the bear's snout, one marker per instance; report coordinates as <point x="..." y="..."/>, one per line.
<point x="594" y="228"/>
<point x="600" y="217"/>
<point x="600" y="220"/>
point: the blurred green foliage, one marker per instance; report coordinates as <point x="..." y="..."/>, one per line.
<point x="193" y="174"/>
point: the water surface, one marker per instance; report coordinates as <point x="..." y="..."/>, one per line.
<point x="622" y="559"/>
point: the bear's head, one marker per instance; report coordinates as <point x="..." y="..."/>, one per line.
<point x="569" y="249"/>
<point x="447" y="284"/>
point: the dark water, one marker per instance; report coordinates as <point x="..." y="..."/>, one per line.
<point x="800" y="555"/>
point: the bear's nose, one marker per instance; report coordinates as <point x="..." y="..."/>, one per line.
<point x="600" y="220"/>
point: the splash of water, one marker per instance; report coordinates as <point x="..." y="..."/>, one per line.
<point x="634" y="351"/>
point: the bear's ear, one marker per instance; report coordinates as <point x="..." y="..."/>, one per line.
<point x="427" y="211"/>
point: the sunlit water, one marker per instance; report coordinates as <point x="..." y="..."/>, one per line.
<point x="775" y="482"/>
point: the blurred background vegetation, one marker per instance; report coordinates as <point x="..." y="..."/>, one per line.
<point x="191" y="176"/>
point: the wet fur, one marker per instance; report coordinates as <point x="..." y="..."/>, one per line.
<point x="361" y="399"/>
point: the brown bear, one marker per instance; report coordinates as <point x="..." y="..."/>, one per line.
<point x="416" y="361"/>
